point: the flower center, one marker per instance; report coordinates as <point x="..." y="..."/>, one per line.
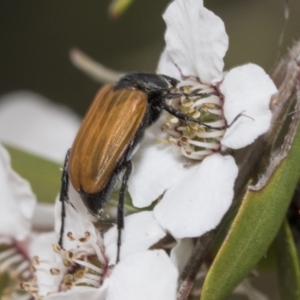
<point x="201" y="102"/>
<point x="83" y="265"/>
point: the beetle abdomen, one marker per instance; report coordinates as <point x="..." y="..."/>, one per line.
<point x="105" y="134"/>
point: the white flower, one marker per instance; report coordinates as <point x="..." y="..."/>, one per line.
<point x="91" y="272"/>
<point x="17" y="207"/>
<point x="19" y="214"/>
<point x="197" y="195"/>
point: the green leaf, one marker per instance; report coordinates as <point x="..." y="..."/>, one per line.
<point x="254" y="228"/>
<point x="118" y="7"/>
<point x="43" y="175"/>
<point x="288" y="264"/>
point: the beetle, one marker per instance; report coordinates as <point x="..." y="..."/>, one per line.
<point x="111" y="130"/>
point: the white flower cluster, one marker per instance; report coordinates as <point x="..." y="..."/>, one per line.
<point x="194" y="196"/>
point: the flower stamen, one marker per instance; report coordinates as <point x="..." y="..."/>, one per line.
<point x="88" y="265"/>
<point x="205" y="104"/>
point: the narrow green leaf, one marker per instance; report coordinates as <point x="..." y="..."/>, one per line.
<point x="118" y="7"/>
<point x="43" y="175"/>
<point x="288" y="264"/>
<point x="254" y="228"/>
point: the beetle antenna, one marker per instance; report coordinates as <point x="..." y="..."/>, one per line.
<point x="238" y="116"/>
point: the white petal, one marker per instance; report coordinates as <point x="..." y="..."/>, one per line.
<point x="181" y="253"/>
<point x="43" y="218"/>
<point x="196" y="40"/>
<point x="17" y="202"/>
<point x="166" y="66"/>
<point x="156" y="168"/>
<point x="31" y="122"/>
<point x="247" y="89"/>
<point x="77" y="221"/>
<point x="148" y="275"/>
<point x="199" y="202"/>
<point x="141" y="231"/>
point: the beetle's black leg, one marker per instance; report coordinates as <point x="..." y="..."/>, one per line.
<point x="120" y="217"/>
<point x="63" y="197"/>
<point x="186" y="118"/>
<point x="192" y="94"/>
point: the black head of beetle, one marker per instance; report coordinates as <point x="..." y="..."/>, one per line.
<point x="150" y="83"/>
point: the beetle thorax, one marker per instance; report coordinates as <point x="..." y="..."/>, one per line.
<point x="204" y="103"/>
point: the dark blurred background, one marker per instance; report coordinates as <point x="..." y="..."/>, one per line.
<point x="36" y="36"/>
